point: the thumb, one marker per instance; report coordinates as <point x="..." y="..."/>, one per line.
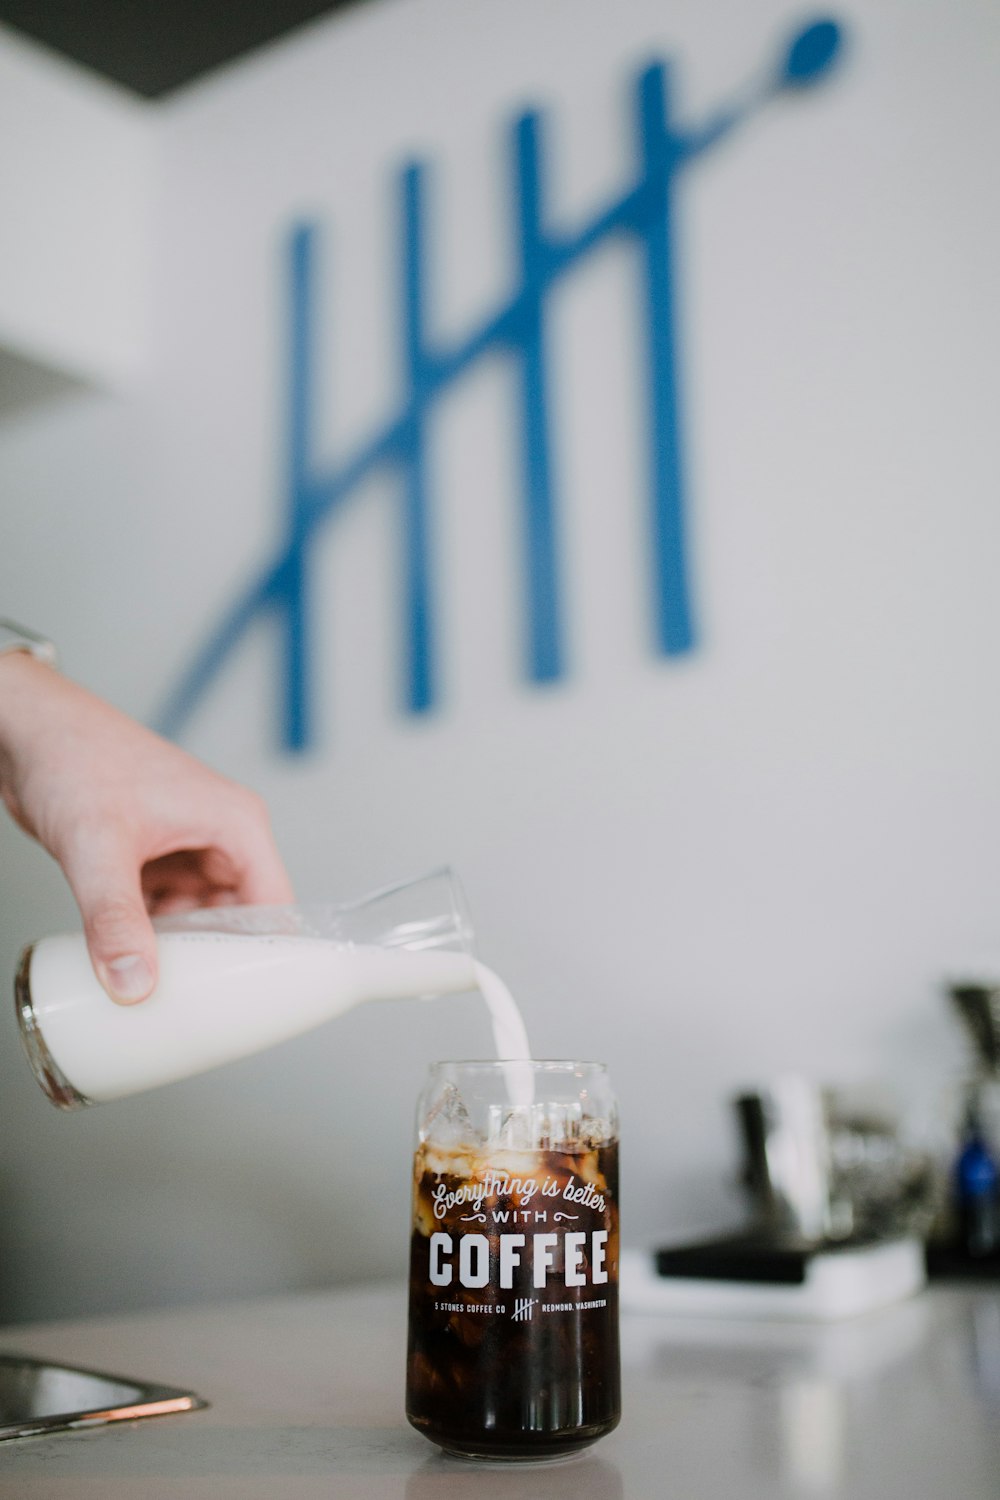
<point x="104" y="878"/>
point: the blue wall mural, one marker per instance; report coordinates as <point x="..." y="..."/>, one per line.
<point x="644" y="214"/>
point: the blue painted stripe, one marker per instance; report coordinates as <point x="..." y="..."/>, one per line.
<point x="420" y="686"/>
<point x="673" y="625"/>
<point x="544" y="646"/>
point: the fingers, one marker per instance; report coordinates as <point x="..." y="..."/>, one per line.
<point x="264" y="881"/>
<point x="260" y="875"/>
<point x="104" y="877"/>
<point x="176" y="882"/>
<point x="240" y="865"/>
<point x="113" y="887"/>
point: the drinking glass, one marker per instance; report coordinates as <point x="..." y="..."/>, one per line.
<point x="513" y="1317"/>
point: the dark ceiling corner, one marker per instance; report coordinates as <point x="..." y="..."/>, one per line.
<point x="151" y="48"/>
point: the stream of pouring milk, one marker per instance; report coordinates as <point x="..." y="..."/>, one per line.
<point x="509" y="1035"/>
<point x="224" y="996"/>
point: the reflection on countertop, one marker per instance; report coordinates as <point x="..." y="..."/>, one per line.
<point x="903" y="1401"/>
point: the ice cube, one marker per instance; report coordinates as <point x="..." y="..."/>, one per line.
<point x="513" y="1126"/>
<point x="535" y="1127"/>
<point x="448" y="1122"/>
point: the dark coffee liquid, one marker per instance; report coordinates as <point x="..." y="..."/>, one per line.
<point x="513" y="1348"/>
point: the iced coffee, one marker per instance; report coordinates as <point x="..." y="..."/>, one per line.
<point x="513" y="1330"/>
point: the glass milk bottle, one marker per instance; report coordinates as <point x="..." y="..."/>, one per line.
<point x="235" y="980"/>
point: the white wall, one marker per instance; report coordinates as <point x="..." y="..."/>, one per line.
<point x="705" y="871"/>
<point x="76" y="182"/>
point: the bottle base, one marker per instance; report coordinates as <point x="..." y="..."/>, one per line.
<point x="523" y="1449"/>
<point x="44" y="1066"/>
<point x="484" y="1459"/>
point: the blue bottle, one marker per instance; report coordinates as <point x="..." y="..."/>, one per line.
<point x="977" y="1189"/>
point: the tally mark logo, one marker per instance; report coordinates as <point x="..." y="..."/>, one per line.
<point x="645" y="215"/>
<point x="523" y="1308"/>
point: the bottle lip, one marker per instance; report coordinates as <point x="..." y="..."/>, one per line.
<point x="50" y="1077"/>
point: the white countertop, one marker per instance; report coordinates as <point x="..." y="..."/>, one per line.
<point x="306" y="1400"/>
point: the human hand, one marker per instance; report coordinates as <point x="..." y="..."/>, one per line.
<point x="137" y="825"/>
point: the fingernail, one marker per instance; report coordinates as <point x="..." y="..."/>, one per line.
<point x="130" y="977"/>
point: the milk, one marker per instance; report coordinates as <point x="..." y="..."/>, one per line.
<point x="223" y="996"/>
<point x="509" y="1036"/>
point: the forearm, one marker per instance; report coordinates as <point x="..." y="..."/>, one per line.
<point x="64" y="752"/>
<point x="29" y="693"/>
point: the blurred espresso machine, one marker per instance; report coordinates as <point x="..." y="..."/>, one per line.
<point x="839" y="1206"/>
<point x="844" y="1214"/>
<point x="826" y="1165"/>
